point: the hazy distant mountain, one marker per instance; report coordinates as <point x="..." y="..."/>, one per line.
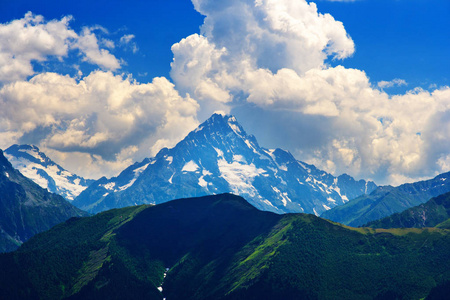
<point x="430" y="214"/>
<point x="387" y="200"/>
<point x="26" y="208"/>
<point x="38" y="167"/>
<point x="217" y="157"/>
<point x="220" y="247"/>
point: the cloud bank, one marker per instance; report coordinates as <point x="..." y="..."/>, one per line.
<point x="272" y="55"/>
<point x="95" y="125"/>
<point x="263" y="60"/>
<point x="32" y="39"/>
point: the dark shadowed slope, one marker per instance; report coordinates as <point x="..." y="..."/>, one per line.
<point x="26" y="208"/>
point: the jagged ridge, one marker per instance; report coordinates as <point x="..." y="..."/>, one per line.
<point x="26" y="208"/>
<point x="218" y="157"/>
<point x="34" y="164"/>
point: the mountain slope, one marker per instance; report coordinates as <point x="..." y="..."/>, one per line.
<point x="217" y="157"/>
<point x="26" y="208"/>
<point x="430" y="214"/>
<point x="387" y="200"/>
<point x="220" y="247"/>
<point x="35" y="165"/>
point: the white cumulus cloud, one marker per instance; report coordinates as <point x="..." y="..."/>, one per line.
<point x="269" y="56"/>
<point x="102" y="115"/>
<point x="33" y="39"/>
<point x="395" y="82"/>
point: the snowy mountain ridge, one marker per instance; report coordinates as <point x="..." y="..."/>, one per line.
<point x="34" y="164"/>
<point x="217" y="157"/>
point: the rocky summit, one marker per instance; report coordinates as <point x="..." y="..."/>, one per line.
<point x="219" y="157"/>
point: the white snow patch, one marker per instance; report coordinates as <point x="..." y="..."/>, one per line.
<point x="219" y="152"/>
<point x="30" y="169"/>
<point x="235" y="128"/>
<point x="198" y="129"/>
<point x="191" y="166"/>
<point x="109" y="186"/>
<point x="315" y="212"/>
<point x="250" y="146"/>
<point x="6" y="174"/>
<point x="105" y="194"/>
<point x="283" y="167"/>
<point x="331" y="200"/>
<point x="262" y="156"/>
<point x="33" y="154"/>
<point x="170" y="179"/>
<point x="169" y="159"/>
<point x="239" y="176"/>
<point x="137" y="172"/>
<point x="239" y="158"/>
<point x="202" y="182"/>
<point x="326" y="207"/>
<point x="284" y="196"/>
<point x="273" y="170"/>
<point x="304" y="166"/>
<point x="268" y="203"/>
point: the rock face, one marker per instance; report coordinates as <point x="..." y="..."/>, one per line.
<point x="35" y="165"/>
<point x="218" y="157"/>
<point x="27" y="209"/>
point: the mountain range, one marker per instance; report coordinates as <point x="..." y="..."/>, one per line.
<point x="221" y="247"/>
<point x="218" y="157"/>
<point x="26" y="208"/>
<point x="433" y="213"/>
<point x="35" y="165"/>
<point x="387" y="200"/>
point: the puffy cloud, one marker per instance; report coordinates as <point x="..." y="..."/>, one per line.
<point x="395" y="82"/>
<point x="32" y="39"/>
<point x="274" y="34"/>
<point x="126" y="41"/>
<point x="88" y="44"/>
<point x="110" y="118"/>
<point x="269" y="56"/>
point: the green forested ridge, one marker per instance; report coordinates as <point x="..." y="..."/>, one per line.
<point x="220" y="247"/>
<point x="435" y="212"/>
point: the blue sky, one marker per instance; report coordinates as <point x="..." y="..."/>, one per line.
<point x="359" y="87"/>
<point x="405" y="39"/>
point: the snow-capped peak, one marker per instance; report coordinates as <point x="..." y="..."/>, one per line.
<point x="217" y="157"/>
<point x="34" y="164"/>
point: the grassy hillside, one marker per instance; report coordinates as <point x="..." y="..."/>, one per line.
<point x="430" y="214"/>
<point x="220" y="247"/>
